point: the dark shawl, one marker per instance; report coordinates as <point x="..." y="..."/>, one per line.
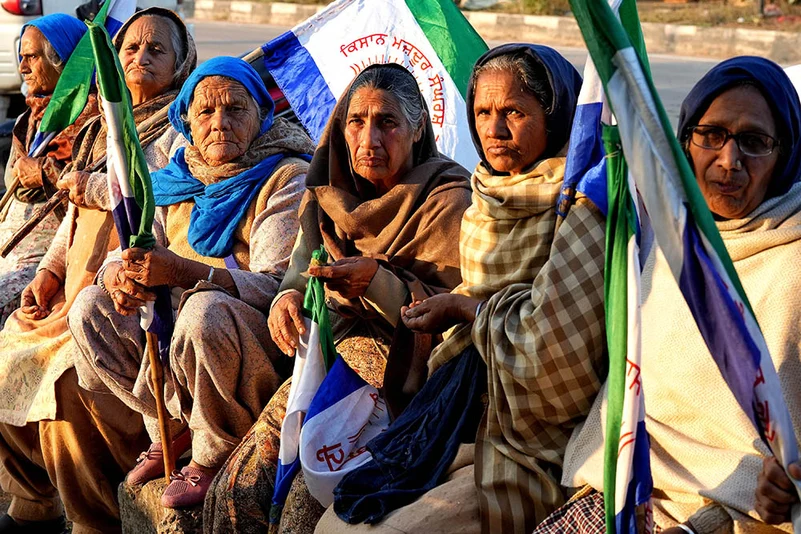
<point x="781" y="96"/>
<point x="565" y="83"/>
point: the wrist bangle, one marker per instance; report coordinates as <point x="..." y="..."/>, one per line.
<point x="211" y="275"/>
<point x="101" y="274"/>
<point x="685" y="528"/>
<point x="478" y="308"/>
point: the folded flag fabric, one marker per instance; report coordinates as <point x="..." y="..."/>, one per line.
<point x="315" y="61"/>
<point x="331" y="413"/>
<point x="130" y="188"/>
<point x="683" y="228"/>
<point x="72" y="90"/>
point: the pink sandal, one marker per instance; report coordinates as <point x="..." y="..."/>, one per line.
<point x="150" y="464"/>
<point x="188" y="487"/>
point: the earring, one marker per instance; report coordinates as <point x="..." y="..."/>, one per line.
<point x="738" y="165"/>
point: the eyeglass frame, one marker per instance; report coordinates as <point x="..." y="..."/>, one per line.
<point x="735" y="136"/>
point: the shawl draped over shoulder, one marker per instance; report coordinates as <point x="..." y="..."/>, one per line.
<point x="411" y="230"/>
<point x="223" y="194"/>
<point x="706" y="455"/>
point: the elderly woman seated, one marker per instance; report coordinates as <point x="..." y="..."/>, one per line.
<point x="225" y="230"/>
<point x="41" y="402"/>
<point x="386" y="205"/>
<point x="521" y="101"/>
<point x="741" y="127"/>
<point x="31" y="174"/>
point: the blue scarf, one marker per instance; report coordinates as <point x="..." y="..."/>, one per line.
<point x="62" y="31"/>
<point x="218" y="207"/>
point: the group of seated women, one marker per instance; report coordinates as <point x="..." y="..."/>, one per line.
<point x="470" y="301"/>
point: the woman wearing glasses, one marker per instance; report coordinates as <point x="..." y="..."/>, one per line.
<point x="740" y="127"/>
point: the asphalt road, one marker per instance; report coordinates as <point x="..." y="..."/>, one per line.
<point x="673" y="76"/>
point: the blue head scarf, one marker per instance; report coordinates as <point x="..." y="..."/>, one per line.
<point x="230" y="67"/>
<point x="779" y="93"/>
<point x="564" y="82"/>
<point x="62" y="31"/>
<point x="219" y="207"/>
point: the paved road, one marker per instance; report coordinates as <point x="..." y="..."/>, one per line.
<point x="673" y="76"/>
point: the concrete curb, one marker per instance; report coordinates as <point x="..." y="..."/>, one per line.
<point x="782" y="47"/>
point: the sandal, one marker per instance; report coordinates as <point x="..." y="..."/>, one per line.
<point x="150" y="464"/>
<point x="188" y="487"/>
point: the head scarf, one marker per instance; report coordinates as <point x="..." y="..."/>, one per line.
<point x="779" y="93"/>
<point x="230" y="67"/>
<point x="190" y="62"/>
<point x="62" y="31"/>
<point x="565" y="83"/>
<point x="219" y="207"/>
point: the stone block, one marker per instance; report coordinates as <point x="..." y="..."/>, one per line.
<point x="141" y="511"/>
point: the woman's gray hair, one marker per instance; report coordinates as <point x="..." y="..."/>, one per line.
<point x="50" y="54"/>
<point x="397" y="81"/>
<point x="178" y="44"/>
<point x="533" y="76"/>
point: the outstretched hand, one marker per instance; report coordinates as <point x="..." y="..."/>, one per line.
<point x="438" y="313"/>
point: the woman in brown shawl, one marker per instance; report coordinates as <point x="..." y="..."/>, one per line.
<point x="49" y="425"/>
<point x="387" y="206"/>
<point x="31" y="174"/>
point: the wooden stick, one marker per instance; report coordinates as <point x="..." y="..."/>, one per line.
<point x="157" y="378"/>
<point x="5" y="202"/>
<point x="38" y="216"/>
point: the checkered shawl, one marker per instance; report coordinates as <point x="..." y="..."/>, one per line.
<point x="544" y="346"/>
<point x="506" y="237"/>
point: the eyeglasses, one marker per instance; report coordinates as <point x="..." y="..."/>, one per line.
<point x="752" y="144"/>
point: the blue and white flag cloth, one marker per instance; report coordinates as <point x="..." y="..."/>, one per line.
<point x="316" y="61"/>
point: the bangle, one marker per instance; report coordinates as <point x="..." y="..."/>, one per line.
<point x="211" y="275"/>
<point x="478" y="308"/>
<point x="685" y="528"/>
<point x="101" y="274"/>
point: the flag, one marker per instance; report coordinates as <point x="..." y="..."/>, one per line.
<point x="315" y="62"/>
<point x="331" y="413"/>
<point x="130" y="188"/>
<point x="661" y="181"/>
<point x="72" y="90"/>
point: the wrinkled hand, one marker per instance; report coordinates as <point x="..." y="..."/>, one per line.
<point x="438" y="313"/>
<point x="127" y="294"/>
<point x="286" y="322"/>
<point x="35" y="301"/>
<point x="349" y="276"/>
<point x="775" y="492"/>
<point x="76" y="183"/>
<point x="155" y="267"/>
<point x="26" y="169"/>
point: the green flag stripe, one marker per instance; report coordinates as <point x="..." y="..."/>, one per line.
<point x="452" y="37"/>
<point x="72" y="90"/>
<point x="315" y="308"/>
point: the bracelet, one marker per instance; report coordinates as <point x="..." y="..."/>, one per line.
<point x="211" y="275"/>
<point x="685" y="528"/>
<point x="478" y="308"/>
<point x="101" y="274"/>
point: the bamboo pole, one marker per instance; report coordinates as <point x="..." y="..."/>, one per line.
<point x="157" y="377"/>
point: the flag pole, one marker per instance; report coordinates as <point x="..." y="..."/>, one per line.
<point x="157" y="378"/>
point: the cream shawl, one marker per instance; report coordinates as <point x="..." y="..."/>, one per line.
<point x="703" y="446"/>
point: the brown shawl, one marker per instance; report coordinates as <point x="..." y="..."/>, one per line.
<point x="58" y="152"/>
<point x="412" y="230"/>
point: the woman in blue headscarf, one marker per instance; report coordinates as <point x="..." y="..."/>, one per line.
<point x="30" y="177"/>
<point x="225" y="227"/>
<point x="740" y="127"/>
